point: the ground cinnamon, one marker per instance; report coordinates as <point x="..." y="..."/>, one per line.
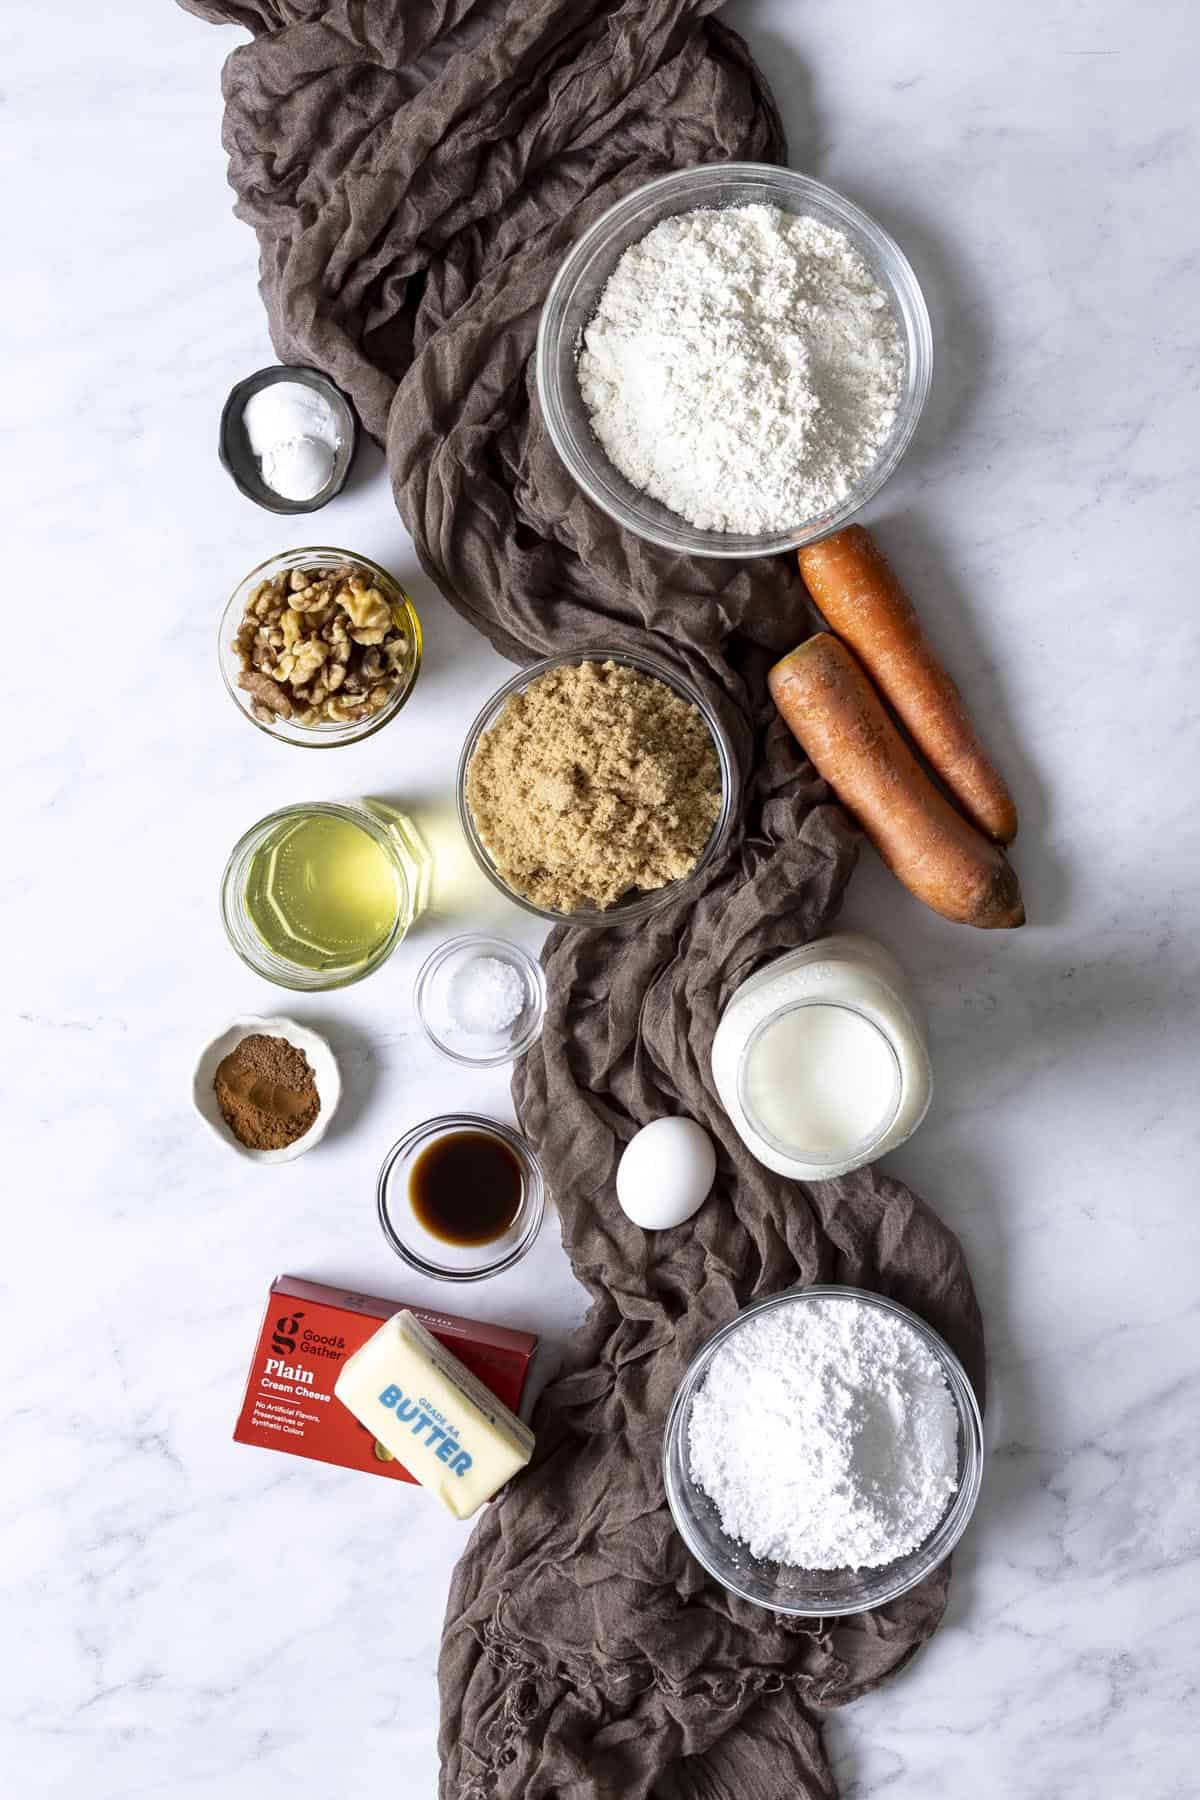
<point x="267" y="1092"/>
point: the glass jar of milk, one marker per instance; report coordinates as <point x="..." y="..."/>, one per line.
<point x="820" y="1060"/>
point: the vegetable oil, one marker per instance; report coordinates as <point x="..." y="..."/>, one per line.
<point x="322" y="893"/>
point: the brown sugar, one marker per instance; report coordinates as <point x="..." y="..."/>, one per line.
<point x="596" y="781"/>
<point x="267" y="1092"/>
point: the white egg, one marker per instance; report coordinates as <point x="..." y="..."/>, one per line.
<point x="665" y="1173"/>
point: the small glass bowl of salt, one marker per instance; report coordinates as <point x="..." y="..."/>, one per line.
<point x="481" y="1000"/>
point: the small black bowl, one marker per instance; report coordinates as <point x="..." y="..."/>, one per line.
<point x="233" y="446"/>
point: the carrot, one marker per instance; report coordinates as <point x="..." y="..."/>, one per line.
<point x="854" y="586"/>
<point x="829" y="705"/>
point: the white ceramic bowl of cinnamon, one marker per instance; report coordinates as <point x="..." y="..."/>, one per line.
<point x="321" y="1060"/>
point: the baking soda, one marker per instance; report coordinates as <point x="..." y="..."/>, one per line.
<point x="292" y="430"/>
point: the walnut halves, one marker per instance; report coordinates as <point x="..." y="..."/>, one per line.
<point x="320" y="646"/>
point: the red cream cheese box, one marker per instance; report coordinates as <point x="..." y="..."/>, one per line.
<point x="308" y="1332"/>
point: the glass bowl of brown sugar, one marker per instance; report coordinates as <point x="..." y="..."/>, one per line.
<point x="692" y="828"/>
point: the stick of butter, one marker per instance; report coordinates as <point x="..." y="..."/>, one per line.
<point x="449" y="1430"/>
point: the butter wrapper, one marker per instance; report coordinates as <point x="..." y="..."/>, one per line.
<point x="421" y="1402"/>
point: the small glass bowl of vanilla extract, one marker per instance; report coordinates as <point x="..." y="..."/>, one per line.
<point x="461" y="1197"/>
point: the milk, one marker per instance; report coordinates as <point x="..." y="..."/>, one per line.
<point x="820" y="1060"/>
<point x="821" y="1081"/>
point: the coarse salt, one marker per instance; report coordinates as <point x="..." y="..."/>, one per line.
<point x="486" y="996"/>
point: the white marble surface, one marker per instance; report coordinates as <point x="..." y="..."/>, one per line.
<point x="184" y="1616"/>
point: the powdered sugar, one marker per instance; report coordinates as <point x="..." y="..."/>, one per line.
<point x="743" y="366"/>
<point x="826" y="1435"/>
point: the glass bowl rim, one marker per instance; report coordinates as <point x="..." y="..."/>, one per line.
<point x="320" y="737"/>
<point x="354" y="816"/>
<point x="441" y="1126"/>
<point x="885" y="257"/>
<point x="643" y="905"/>
<point x="954" y="1520"/>
<point x="536" y="977"/>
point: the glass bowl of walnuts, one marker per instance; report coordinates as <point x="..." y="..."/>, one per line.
<point x="319" y="646"/>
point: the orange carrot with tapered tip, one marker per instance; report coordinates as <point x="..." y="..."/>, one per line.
<point x="863" y="602"/>
<point x="829" y="705"/>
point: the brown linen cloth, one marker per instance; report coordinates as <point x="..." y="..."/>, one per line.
<point x="415" y="170"/>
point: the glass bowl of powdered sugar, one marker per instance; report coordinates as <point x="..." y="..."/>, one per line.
<point x="733" y="359"/>
<point x="823" y="1453"/>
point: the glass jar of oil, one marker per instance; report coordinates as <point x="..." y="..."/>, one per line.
<point x="318" y="895"/>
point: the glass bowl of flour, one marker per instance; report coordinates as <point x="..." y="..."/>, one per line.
<point x="733" y="359"/>
<point x="823" y="1453"/>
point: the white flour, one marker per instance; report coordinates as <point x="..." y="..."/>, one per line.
<point x="743" y="367"/>
<point x="826" y="1436"/>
